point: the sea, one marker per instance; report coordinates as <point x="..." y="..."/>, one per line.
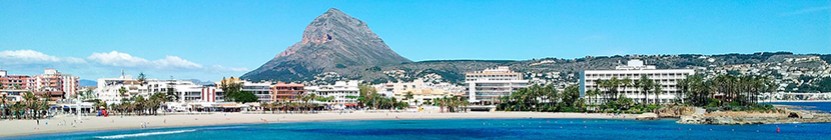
<point x="473" y="129"/>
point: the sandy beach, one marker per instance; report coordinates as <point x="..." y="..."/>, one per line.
<point x="72" y="124"/>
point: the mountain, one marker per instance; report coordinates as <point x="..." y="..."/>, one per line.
<point x="332" y="42"/>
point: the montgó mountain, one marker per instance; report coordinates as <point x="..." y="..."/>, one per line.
<point x="333" y="42"/>
<point x="336" y="46"/>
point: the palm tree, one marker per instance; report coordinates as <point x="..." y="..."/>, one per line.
<point x="626" y="82"/>
<point x="122" y="91"/>
<point x="142" y="79"/>
<point x="16" y="110"/>
<point x="657" y="91"/>
<point x="614" y="84"/>
<point x="264" y="105"/>
<point x="408" y="96"/>
<point x="4" y="107"/>
<point x="29" y="99"/>
<point x="646" y="85"/>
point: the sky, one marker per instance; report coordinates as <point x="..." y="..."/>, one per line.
<point x="208" y="40"/>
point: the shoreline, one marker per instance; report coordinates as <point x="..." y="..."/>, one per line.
<point x="796" y="101"/>
<point x="92" y="124"/>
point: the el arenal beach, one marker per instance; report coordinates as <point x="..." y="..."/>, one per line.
<point x="444" y="70"/>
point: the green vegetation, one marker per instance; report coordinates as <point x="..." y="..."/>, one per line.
<point x="543" y="98"/>
<point x="821" y="85"/>
<point x="32" y="107"/>
<point x="727" y="92"/>
<point x="137" y="105"/>
<point x="233" y="92"/>
<point x="370" y="98"/>
<point x="451" y="104"/>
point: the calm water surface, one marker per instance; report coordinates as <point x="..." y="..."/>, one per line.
<point x="469" y="129"/>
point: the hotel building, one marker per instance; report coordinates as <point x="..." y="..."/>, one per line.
<point x="187" y="91"/>
<point x="344" y="92"/>
<point x="422" y="91"/>
<point x="51" y="83"/>
<point x="634" y="69"/>
<point x="286" y="92"/>
<point x="485" y="87"/>
<point x="260" y="89"/>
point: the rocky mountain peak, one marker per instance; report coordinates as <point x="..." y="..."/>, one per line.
<point x="331" y="42"/>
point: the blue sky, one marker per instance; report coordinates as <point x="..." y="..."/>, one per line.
<point x="209" y="40"/>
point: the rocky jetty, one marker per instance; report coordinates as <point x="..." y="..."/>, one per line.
<point x="778" y="116"/>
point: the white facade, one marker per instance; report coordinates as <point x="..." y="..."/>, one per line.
<point x="485" y="87"/>
<point x="262" y="90"/>
<point x="422" y="91"/>
<point x="634" y="69"/>
<point x="108" y="89"/>
<point x="341" y="91"/>
<point x="187" y="91"/>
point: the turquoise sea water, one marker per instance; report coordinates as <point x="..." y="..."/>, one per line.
<point x="468" y="129"/>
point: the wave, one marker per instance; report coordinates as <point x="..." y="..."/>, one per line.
<point x="144" y="134"/>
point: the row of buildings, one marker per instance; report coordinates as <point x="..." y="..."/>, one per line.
<point x="51" y="83"/>
<point x="485" y="87"/>
<point x="192" y="95"/>
<point x="480" y="87"/>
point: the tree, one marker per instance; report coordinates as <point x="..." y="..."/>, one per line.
<point x="139" y="104"/>
<point x="658" y="91"/>
<point x="264" y="105"/>
<point x="142" y="79"/>
<point x="626" y="82"/>
<point x="122" y="91"/>
<point x="5" y="106"/>
<point x="646" y="85"/>
<point x="30" y="99"/>
<point x="246" y="97"/>
<point x="408" y="96"/>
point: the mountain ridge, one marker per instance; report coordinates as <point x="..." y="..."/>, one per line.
<point x="334" y="41"/>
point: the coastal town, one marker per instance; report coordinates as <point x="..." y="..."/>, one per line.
<point x="54" y="93"/>
<point x="490" y="70"/>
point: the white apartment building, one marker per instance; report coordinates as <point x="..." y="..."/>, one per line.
<point x="187" y="91"/>
<point x="485" y="87"/>
<point x="422" y="91"/>
<point x="344" y="92"/>
<point x="634" y="69"/>
<point x="262" y="90"/>
<point x="108" y="89"/>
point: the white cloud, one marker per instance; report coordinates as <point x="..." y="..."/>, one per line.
<point x="175" y="62"/>
<point x="115" y="58"/>
<point x="104" y="64"/>
<point x="119" y="59"/>
<point x="33" y="57"/>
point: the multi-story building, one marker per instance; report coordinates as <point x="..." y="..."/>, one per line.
<point x="422" y="91"/>
<point x="262" y="90"/>
<point x="285" y="92"/>
<point x="51" y="83"/>
<point x="15" y="81"/>
<point x="345" y="93"/>
<point x="485" y="87"/>
<point x="109" y="90"/>
<point x="634" y="69"/>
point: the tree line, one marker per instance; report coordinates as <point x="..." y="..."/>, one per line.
<point x="727" y="92"/>
<point x="543" y="99"/>
<point x="31" y="107"/>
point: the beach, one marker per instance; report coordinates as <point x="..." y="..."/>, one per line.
<point x="90" y="123"/>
